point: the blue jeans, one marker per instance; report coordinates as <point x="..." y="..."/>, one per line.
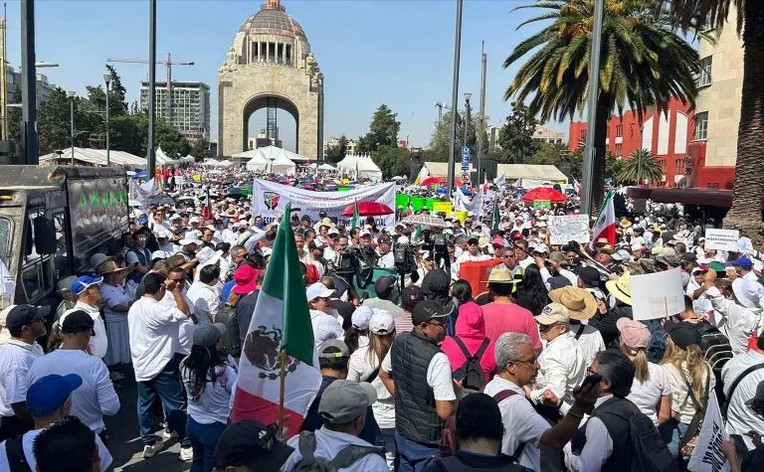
<point x="203" y="438"/>
<point x="671" y="430"/>
<point x="388" y="435"/>
<point x="166" y="385"/>
<point x="412" y="456"/>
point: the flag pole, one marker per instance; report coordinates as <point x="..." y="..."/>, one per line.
<point x="282" y="387"/>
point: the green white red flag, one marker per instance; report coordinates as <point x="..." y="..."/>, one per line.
<point x="281" y="321"/>
<point x="604" y="227"/>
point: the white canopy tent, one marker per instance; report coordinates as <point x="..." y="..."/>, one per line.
<point x="282" y="165"/>
<point x="258" y="163"/>
<point x="347" y="164"/>
<point x="325" y="166"/>
<point x="96" y="157"/>
<point x="272" y="153"/>
<point x="366" y="168"/>
<point x="532" y="172"/>
<point x="163" y="159"/>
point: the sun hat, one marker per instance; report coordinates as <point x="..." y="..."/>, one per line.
<point x="345" y="400"/>
<point x="625" y="223"/>
<point x="580" y="303"/>
<point x="21" y="315"/>
<point x="634" y="334"/>
<point x="318" y="290"/>
<point x="621" y="288"/>
<point x="49" y="393"/>
<point x="97" y="259"/>
<point x="111" y="266"/>
<point x="748" y="292"/>
<point x="381" y="322"/>
<point x="83" y="282"/>
<point x="246" y="279"/>
<point x="553" y="313"/>
<point x="501" y="275"/>
<point x="251" y="444"/>
<point x="208" y="334"/>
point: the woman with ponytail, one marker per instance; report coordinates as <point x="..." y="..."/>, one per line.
<point x="690" y="378"/>
<point x="209" y="382"/>
<point x="650" y="390"/>
<point x="357" y="336"/>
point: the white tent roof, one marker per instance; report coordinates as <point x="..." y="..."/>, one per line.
<point x="257" y="162"/>
<point x="440" y="169"/>
<point x="325" y="167"/>
<point x="282" y="164"/>
<point x="95" y="157"/>
<point x="271" y="153"/>
<point x="367" y="168"/>
<point x="547" y="173"/>
<point x="163" y="159"/>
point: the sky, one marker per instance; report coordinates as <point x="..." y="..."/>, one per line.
<point x="371" y="52"/>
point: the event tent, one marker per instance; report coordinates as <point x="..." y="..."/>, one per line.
<point x="366" y="168"/>
<point x="271" y="153"/>
<point x="440" y="169"/>
<point x="532" y="172"/>
<point x="258" y="163"/>
<point x="328" y="167"/>
<point x="96" y="157"/>
<point x="282" y="165"/>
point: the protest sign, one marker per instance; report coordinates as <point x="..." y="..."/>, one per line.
<point x="269" y="200"/>
<point x="657" y="295"/>
<point x="542" y="205"/>
<point x="722" y="239"/>
<point x="563" y="229"/>
<point x="708" y="455"/>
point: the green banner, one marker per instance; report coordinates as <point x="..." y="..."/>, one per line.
<point x="402" y="200"/>
<point x="417" y="203"/>
<point x="542" y="204"/>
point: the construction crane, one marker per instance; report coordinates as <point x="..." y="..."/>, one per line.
<point x="168" y="63"/>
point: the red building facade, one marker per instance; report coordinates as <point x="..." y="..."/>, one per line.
<point x="666" y="135"/>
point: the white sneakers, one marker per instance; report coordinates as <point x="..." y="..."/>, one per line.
<point x="186" y="454"/>
<point x="150" y="450"/>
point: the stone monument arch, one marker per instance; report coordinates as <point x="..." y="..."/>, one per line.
<point x="270" y="66"/>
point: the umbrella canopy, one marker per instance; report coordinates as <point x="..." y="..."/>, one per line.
<point x="433" y="181"/>
<point x="544" y="193"/>
<point x="424" y="220"/>
<point x="369" y="209"/>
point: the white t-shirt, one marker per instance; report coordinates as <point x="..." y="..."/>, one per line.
<point x="15" y="359"/>
<point x="359" y="369"/>
<point x="99" y="343"/>
<point x="213" y="406"/>
<point x="438" y="376"/>
<point x="152" y="328"/>
<point x="27" y="444"/>
<point x="647" y="395"/>
<point x="183" y="339"/>
<point x="96" y="396"/>
<point x="681" y="403"/>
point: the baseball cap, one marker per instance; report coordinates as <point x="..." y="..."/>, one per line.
<point x="381" y="322"/>
<point x="65" y="284"/>
<point x="412" y="295"/>
<point x="158" y="255"/>
<point x="83" y="282"/>
<point x="557" y="256"/>
<point x="22" y="315"/>
<point x="541" y="249"/>
<point x="758" y="396"/>
<point x="682" y="333"/>
<point x="318" y="290"/>
<point x="251" y="444"/>
<point x="76" y="321"/>
<point x="742" y="262"/>
<point x="634" y="334"/>
<point x="208" y="334"/>
<point x="49" y="393"/>
<point x="427" y="310"/>
<point x="361" y="317"/>
<point x="589" y="276"/>
<point x="552" y="314"/>
<point x="345" y="400"/>
<point x="344" y="351"/>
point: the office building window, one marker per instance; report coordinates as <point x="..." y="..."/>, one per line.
<point x="704" y="77"/>
<point x="701" y="125"/>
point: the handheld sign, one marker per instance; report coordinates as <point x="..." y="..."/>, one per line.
<point x="722" y="239"/>
<point x="563" y="229"/>
<point x="708" y="455"/>
<point x="657" y="295"/>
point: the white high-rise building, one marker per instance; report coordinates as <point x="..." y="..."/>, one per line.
<point x="190" y="107"/>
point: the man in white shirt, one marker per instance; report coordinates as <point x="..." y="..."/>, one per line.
<point x="325" y="326"/>
<point x="88" y="291"/>
<point x="343" y="407"/>
<point x="747" y="371"/>
<point x="152" y="327"/>
<point x="49" y="400"/>
<point x="582" y="306"/>
<point x="472" y="254"/>
<point x="96" y="396"/>
<point x="386" y="257"/>
<point x="733" y="320"/>
<point x="204" y="296"/>
<point x="524" y="429"/>
<point x="26" y="323"/>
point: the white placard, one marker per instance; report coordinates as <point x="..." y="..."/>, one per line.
<point x="708" y="455"/>
<point x="567" y="228"/>
<point x="657" y="295"/>
<point x="722" y="239"/>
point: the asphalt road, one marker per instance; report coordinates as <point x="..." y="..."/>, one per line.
<point x="125" y="442"/>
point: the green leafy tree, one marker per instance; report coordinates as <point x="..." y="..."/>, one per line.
<point x="644" y="64"/>
<point x="392" y="161"/>
<point x="130" y="134"/>
<point x="749" y="166"/>
<point x="173" y="143"/>
<point x="201" y="149"/>
<point x="548" y="154"/>
<point x="439" y="141"/>
<point x="335" y="154"/>
<point x="14" y="120"/>
<point x="641" y="166"/>
<point x="383" y="130"/>
<point x="613" y="166"/>
<point x="516" y="136"/>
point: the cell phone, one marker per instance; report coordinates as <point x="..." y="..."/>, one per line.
<point x="590" y="381"/>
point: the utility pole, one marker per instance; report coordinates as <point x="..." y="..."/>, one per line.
<point x="151" y="157"/>
<point x="481" y="121"/>
<point x="3" y="80"/>
<point x="455" y="95"/>
<point x="30" y="144"/>
<point x="107" y="77"/>
<point x="594" y="91"/>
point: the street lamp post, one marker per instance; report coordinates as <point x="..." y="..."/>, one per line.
<point x="107" y="78"/>
<point x="455" y="96"/>
<point x="71" y="122"/>
<point x="467" y="98"/>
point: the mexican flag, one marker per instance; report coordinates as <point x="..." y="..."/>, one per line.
<point x="496" y="215"/>
<point x="281" y="322"/>
<point x="356" y="220"/>
<point x="604" y="227"/>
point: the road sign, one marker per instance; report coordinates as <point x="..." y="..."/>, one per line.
<point x="466" y="155"/>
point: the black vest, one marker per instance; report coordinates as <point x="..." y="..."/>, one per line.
<point x="144" y="258"/>
<point x="615" y="413"/>
<point x="416" y="417"/>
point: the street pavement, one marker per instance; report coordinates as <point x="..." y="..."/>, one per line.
<point x="125" y="442"/>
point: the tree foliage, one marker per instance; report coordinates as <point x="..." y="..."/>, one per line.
<point x="641" y="166"/>
<point x="439" y="141"/>
<point x="516" y="136"/>
<point x="548" y="154"/>
<point x="201" y="149"/>
<point x="392" y="161"/>
<point x="383" y="130"/>
<point x="336" y="153"/>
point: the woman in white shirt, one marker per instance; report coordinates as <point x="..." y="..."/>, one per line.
<point x="357" y="336"/>
<point x="364" y="367"/>
<point x="209" y="382"/>
<point x="650" y="389"/>
<point x="690" y="379"/>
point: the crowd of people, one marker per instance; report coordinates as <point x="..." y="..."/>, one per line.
<point x="543" y="369"/>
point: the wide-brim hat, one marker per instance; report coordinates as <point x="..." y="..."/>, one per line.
<point x="111" y="266"/>
<point x="501" y="275"/>
<point x="625" y="223"/>
<point x="621" y="288"/>
<point x="580" y="303"/>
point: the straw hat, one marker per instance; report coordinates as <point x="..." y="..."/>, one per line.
<point x="110" y="266"/>
<point x="501" y="275"/>
<point x="579" y="302"/>
<point x="621" y="288"/>
<point x="625" y="223"/>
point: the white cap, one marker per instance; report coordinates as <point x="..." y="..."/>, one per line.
<point x="541" y="248"/>
<point x="158" y="255"/>
<point x="403" y="240"/>
<point x="318" y="290"/>
<point x="365" y="233"/>
<point x="361" y="317"/>
<point x="208" y="256"/>
<point x="381" y="322"/>
<point x="194" y="219"/>
<point x="333" y="231"/>
<point x="175" y="217"/>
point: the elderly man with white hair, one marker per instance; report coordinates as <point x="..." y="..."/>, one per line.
<point x="734" y="320"/>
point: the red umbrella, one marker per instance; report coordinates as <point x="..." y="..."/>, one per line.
<point x="433" y="181"/>
<point x="544" y="193"/>
<point x="369" y="209"/>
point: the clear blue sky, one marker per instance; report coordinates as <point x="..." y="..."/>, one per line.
<point x="371" y="52"/>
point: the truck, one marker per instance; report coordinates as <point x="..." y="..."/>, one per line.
<point x="52" y="219"/>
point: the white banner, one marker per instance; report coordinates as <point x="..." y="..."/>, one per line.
<point x="708" y="455"/>
<point x="566" y="228"/>
<point x="722" y="239"/>
<point x="269" y="200"/>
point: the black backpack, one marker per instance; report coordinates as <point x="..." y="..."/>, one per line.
<point x="470" y="371"/>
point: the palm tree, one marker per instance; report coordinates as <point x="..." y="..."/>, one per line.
<point x="643" y="65"/>
<point x="749" y="167"/>
<point x="641" y="166"/>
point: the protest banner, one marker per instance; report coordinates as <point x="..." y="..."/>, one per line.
<point x="708" y="455"/>
<point x="563" y="229"/>
<point x="722" y="239"/>
<point x="269" y="200"/>
<point x="542" y="205"/>
<point x="657" y="295"/>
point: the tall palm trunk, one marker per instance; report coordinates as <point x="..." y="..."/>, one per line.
<point x="604" y="106"/>
<point x="749" y="173"/>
